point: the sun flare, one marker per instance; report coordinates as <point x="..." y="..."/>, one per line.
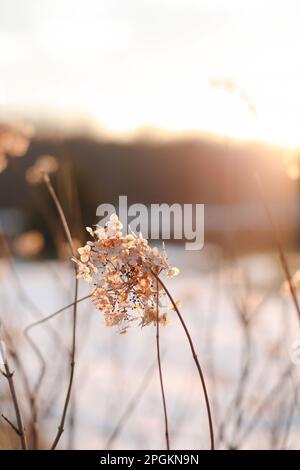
<point x="184" y="66"/>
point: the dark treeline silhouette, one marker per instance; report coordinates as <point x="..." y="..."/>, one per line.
<point x="217" y="173"/>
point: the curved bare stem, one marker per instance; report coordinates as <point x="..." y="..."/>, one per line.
<point x="33" y="394"/>
<point x="57" y="312"/>
<point x="19" y="429"/>
<point x="210" y="423"/>
<point x="74" y="325"/>
<point x="132" y="405"/>
<point x="160" y="369"/>
<point x="278" y="241"/>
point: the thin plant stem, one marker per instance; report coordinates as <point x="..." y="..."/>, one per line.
<point x="11" y="424"/>
<point x="291" y="413"/>
<point x="74" y="324"/>
<point x="279" y="245"/>
<point x="53" y="315"/>
<point x="160" y="369"/>
<point x="26" y="332"/>
<point x="32" y="395"/>
<point x="269" y="398"/>
<point x="210" y="423"/>
<point x="33" y="308"/>
<point x="132" y="405"/>
<point x="60" y="213"/>
<point x="19" y="429"/>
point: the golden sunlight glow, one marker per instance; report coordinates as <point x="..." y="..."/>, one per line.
<point x="202" y="108"/>
<point x="228" y="68"/>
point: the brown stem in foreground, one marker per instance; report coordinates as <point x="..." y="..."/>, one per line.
<point x="211" y="430"/>
<point x="30" y="396"/>
<point x="72" y="367"/>
<point x="49" y="317"/>
<point x="264" y="405"/>
<point x="19" y="429"/>
<point x="26" y="332"/>
<point x="11" y="424"/>
<point x="160" y="369"/>
<point x="74" y="329"/>
<point x="278" y="242"/>
<point x="33" y="395"/>
<point x="27" y="302"/>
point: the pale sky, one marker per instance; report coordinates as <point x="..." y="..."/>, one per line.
<point x="126" y="64"/>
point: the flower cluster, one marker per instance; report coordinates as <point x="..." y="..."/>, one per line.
<point x="123" y="269"/>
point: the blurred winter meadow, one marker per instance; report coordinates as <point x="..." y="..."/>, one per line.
<point x="111" y="337"/>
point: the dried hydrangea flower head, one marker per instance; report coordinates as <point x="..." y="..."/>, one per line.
<point x="122" y="268"/>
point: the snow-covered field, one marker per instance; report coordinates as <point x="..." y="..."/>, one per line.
<point x="116" y="371"/>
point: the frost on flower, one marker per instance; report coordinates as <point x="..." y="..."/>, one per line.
<point x="121" y="268"/>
